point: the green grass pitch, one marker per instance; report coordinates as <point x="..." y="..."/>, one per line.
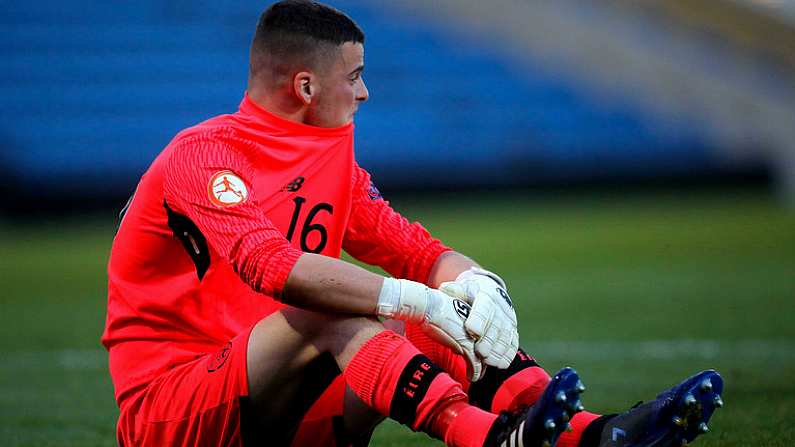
<point x="635" y="291"/>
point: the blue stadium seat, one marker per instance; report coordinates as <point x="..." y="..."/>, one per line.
<point x="92" y="87"/>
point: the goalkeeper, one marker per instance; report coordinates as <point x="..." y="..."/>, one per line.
<point x="232" y="321"/>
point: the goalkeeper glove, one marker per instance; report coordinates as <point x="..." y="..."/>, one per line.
<point x="439" y="315"/>
<point x="492" y="321"/>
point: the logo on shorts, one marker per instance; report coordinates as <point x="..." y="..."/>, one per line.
<point x="217" y="361"/>
<point x="461" y="308"/>
<point x="227" y="189"/>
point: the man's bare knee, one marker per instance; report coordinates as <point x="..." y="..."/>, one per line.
<point x="282" y="347"/>
<point x="283" y="343"/>
<point x="340" y="335"/>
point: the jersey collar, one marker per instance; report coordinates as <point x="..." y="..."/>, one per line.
<point x="259" y="113"/>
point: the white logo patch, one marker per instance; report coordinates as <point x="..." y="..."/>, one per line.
<point x="227" y="189"/>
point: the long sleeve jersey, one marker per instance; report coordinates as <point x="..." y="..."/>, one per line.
<point x="219" y="220"/>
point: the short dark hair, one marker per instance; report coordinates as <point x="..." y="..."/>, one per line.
<point x="298" y="31"/>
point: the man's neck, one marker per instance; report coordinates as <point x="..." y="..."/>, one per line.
<point x="278" y="105"/>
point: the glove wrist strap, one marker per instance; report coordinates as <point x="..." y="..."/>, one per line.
<point x="402" y="299"/>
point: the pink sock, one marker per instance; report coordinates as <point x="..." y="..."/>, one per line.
<point x="451" y="362"/>
<point x="389" y="374"/>
<point x="578" y="423"/>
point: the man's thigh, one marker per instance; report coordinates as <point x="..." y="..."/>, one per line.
<point x="261" y="384"/>
<point x="206" y="402"/>
<point x="306" y="390"/>
<point x="337" y="419"/>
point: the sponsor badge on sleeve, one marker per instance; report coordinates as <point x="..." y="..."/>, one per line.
<point x="227" y="189"/>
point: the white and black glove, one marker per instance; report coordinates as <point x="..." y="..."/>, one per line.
<point x="438" y="314"/>
<point x="492" y="321"/>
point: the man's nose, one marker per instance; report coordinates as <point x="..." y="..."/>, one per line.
<point x="363" y="93"/>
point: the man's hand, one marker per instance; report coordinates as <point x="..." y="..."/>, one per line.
<point x="492" y="321"/>
<point x="445" y="324"/>
<point x="438" y="314"/>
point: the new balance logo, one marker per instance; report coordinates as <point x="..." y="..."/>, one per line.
<point x="294" y="186"/>
<point x="618" y="432"/>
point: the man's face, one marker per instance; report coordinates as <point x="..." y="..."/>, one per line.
<point x="342" y="88"/>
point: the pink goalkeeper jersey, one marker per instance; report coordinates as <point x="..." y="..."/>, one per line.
<point x="219" y="220"/>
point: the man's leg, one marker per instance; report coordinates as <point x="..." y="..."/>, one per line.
<point x="338" y="418"/>
<point x="270" y="369"/>
<point x="374" y="360"/>
<point x="521" y="384"/>
<point x="290" y="365"/>
<point x="387" y="373"/>
<point x="672" y="419"/>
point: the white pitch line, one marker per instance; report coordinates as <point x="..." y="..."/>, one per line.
<point x="67" y="359"/>
<point x="694" y="349"/>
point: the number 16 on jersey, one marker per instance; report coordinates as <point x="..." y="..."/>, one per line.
<point x="308" y="227"/>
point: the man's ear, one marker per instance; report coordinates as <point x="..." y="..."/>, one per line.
<point x="305" y="86"/>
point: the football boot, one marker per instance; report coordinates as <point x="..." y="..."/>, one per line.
<point x="674" y="419"/>
<point x="541" y="424"/>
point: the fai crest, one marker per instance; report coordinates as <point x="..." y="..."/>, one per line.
<point x="227" y="189"/>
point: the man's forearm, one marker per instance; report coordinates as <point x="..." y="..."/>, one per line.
<point x="330" y="285"/>
<point x="326" y="284"/>
<point x="323" y="283"/>
<point x="448" y="266"/>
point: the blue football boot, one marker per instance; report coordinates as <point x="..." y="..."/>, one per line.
<point x="541" y="424"/>
<point x="674" y="419"/>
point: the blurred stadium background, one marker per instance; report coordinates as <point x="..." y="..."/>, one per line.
<point x="628" y="166"/>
